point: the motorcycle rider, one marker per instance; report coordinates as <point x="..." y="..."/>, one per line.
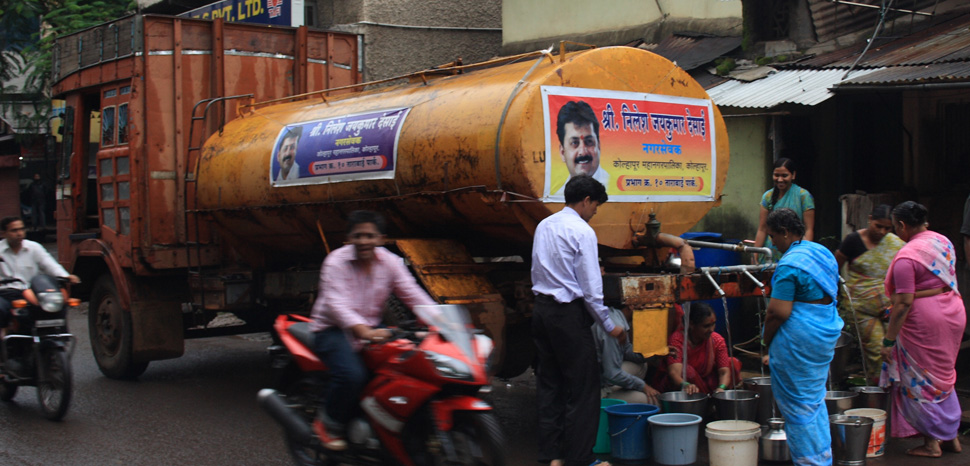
<point x="355" y="281"/>
<point x="20" y="261"/>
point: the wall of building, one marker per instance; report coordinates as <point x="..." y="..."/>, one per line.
<point x="748" y="178"/>
<point x="536" y="24"/>
<point x="403" y="36"/>
<point x="936" y="155"/>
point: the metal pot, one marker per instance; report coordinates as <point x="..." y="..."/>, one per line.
<point x="680" y="402"/>
<point x="766" y="401"/>
<point x="739" y="405"/>
<point x="774" y="443"/>
<point x="837" y="402"/>
<point x="843" y="350"/>
<point x="871" y="397"/>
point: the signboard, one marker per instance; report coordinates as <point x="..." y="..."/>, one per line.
<point x="642" y="147"/>
<point x="275" y="12"/>
<point x="346" y="148"/>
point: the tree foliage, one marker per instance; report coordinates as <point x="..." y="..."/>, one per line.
<point x="30" y="28"/>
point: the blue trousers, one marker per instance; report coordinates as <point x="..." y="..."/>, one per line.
<point x="347" y="373"/>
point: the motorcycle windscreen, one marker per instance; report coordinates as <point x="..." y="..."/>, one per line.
<point x="452" y="322"/>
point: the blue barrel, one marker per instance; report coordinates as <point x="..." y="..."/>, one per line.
<point x="707" y="257"/>
<point x="630" y="431"/>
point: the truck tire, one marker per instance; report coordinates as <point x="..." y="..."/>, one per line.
<point x="519" y="351"/>
<point x="109" y="327"/>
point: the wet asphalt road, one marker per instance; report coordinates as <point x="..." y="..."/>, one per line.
<point x="199" y="409"/>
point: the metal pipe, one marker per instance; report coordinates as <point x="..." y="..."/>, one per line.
<point x="865" y="5"/>
<point x="707" y="273"/>
<point x="738" y="268"/>
<point x="739" y="247"/>
<point x="755" y="280"/>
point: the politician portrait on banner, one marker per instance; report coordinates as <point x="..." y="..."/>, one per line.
<point x="345" y="148"/>
<point x="642" y="147"/>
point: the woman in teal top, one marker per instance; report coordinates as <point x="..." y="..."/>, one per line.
<point x="785" y="195"/>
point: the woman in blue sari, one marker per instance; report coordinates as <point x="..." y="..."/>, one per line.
<point x="785" y="194"/>
<point x="801" y="329"/>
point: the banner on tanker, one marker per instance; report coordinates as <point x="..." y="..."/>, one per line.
<point x="642" y="147"/>
<point x="332" y="150"/>
<point x="273" y="12"/>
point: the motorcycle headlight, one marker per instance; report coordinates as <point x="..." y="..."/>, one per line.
<point x="51" y="301"/>
<point x="449" y="367"/>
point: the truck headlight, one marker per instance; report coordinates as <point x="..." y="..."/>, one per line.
<point x="449" y="367"/>
<point x="51" y="301"/>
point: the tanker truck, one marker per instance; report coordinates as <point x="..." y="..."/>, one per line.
<point x="246" y="148"/>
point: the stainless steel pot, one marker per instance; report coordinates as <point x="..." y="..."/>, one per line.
<point x="739" y="405"/>
<point x="774" y="443"/>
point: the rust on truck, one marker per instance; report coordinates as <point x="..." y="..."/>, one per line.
<point x="131" y="87"/>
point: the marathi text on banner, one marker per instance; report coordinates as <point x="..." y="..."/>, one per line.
<point x="346" y="148"/>
<point x="643" y="147"/>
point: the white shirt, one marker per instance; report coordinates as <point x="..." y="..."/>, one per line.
<point x="294" y="175"/>
<point x="31" y="261"/>
<point x="566" y="265"/>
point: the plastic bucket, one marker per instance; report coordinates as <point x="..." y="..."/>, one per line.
<point x="674" y="438"/>
<point x="877" y="439"/>
<point x="629" y="430"/>
<point x="850" y="439"/>
<point x="602" y="436"/>
<point x="733" y="443"/>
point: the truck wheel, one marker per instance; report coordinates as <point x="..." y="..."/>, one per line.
<point x="109" y="327"/>
<point x="519" y="352"/>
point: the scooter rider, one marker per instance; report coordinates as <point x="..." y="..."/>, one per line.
<point x="20" y="261"/>
<point x="355" y="281"/>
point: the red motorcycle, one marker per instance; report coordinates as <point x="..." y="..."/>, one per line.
<point x="420" y="407"/>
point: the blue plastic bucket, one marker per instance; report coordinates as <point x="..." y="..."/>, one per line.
<point x="630" y="431"/>
<point x="674" y="437"/>
<point x="602" y="436"/>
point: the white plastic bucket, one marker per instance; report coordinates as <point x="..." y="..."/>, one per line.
<point x="733" y="443"/>
<point x="877" y="440"/>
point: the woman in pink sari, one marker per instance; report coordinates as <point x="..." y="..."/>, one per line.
<point x="923" y="337"/>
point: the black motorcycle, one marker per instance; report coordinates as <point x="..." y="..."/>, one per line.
<point x="36" y="350"/>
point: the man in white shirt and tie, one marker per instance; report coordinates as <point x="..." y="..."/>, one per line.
<point x="568" y="286"/>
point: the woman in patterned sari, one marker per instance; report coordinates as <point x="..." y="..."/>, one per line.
<point x="868" y="253"/>
<point x="785" y="195"/>
<point x="923" y="337"/>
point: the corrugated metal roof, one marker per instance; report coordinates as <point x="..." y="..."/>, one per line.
<point x="944" y="42"/>
<point x="805" y="87"/>
<point x="690" y="52"/>
<point x="939" y="72"/>
<point x="834" y="19"/>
